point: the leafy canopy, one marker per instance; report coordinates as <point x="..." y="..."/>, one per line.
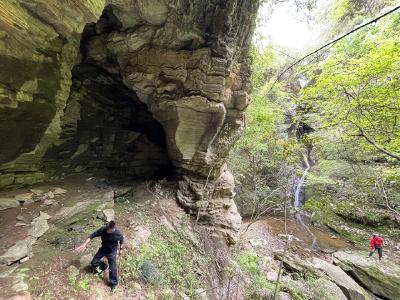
<point x="357" y="89"/>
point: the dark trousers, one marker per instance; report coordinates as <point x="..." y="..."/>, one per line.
<point x="112" y="263"/>
<point x="379" y="248"/>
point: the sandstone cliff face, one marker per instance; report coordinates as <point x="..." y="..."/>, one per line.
<point x="130" y="88"/>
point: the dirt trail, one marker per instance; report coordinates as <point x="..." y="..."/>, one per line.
<point x="46" y="275"/>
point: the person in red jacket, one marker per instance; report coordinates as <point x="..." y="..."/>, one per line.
<point x="376" y="243"/>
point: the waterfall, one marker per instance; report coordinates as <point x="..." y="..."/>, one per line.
<point x="300" y="184"/>
<point x="297" y="202"/>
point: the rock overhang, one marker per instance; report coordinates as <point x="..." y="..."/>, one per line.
<point x="185" y="61"/>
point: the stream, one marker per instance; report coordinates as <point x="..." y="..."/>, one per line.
<point x="304" y="238"/>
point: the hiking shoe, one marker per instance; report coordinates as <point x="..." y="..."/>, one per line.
<point x="113" y="289"/>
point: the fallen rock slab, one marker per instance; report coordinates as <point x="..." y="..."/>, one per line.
<point x="18" y="251"/>
<point x="38" y="227"/>
<point x="6" y="203"/>
<point x="59" y="191"/>
<point x="44" y="216"/>
<point x="48" y="202"/>
<point x="68" y="212"/>
<point x="37" y="192"/>
<point x="6" y="271"/>
<point x="323" y="288"/>
<point x="380" y="277"/>
<point x="350" y="288"/>
<point x="25" y="198"/>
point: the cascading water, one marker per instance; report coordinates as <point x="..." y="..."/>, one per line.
<point x="297" y="201"/>
<point x="300" y="184"/>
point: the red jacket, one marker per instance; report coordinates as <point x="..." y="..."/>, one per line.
<point x="376" y="241"/>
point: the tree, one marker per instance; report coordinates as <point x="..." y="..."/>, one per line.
<point x="357" y="90"/>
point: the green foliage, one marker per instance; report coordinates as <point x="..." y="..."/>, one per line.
<point x="357" y="92"/>
<point x="150" y="273"/>
<point x="22" y="274"/>
<point x="264" y="156"/>
<point x="84" y="283"/>
<point x="293" y="290"/>
<point x="248" y="262"/>
<point x="164" y="261"/>
<point x="72" y="277"/>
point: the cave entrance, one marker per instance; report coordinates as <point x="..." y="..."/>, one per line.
<point x="107" y="130"/>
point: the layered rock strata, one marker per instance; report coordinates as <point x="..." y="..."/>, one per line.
<point x="154" y="84"/>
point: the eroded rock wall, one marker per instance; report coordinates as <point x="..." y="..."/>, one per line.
<point x="39" y="45"/>
<point x="184" y="60"/>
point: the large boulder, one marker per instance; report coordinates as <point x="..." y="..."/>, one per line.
<point x="350" y="288"/>
<point x="323" y="288"/>
<point x="82" y="209"/>
<point x="39" y="225"/>
<point x="380" y="277"/>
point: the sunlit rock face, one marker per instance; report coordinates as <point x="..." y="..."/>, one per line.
<point x="155" y="85"/>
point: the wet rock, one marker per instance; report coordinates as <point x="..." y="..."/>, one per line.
<point x="350" y="288"/>
<point x="19" y="250"/>
<point x="381" y="277"/>
<point x="6" y="203"/>
<point x="323" y="288"/>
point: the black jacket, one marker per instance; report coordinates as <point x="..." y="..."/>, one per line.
<point x="109" y="241"/>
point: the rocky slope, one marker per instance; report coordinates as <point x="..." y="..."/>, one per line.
<point x="141" y="88"/>
<point x="168" y="255"/>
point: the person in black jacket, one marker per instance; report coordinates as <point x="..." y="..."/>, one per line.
<point x="111" y="241"/>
